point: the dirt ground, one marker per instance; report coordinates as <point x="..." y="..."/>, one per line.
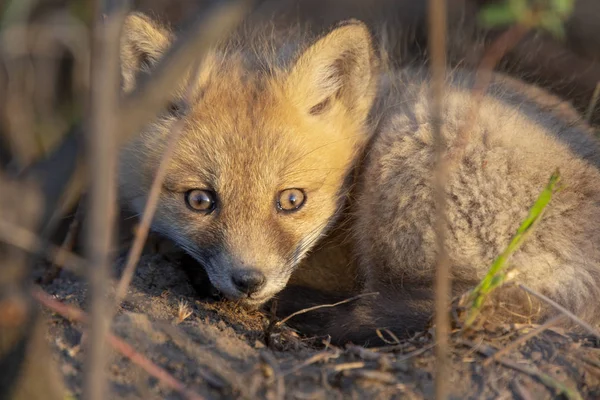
<point x="222" y="351"/>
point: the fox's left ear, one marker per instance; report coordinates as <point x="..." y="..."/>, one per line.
<point x="143" y="43"/>
<point x="338" y="67"/>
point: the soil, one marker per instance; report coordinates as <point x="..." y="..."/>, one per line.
<point x="224" y="351"/>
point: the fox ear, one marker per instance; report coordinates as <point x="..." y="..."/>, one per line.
<point x="339" y="67"/>
<point x="143" y="42"/>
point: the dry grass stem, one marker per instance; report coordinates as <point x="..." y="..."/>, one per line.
<point x="523" y="339"/>
<point x="217" y="23"/>
<point x="593" y="102"/>
<point x="141" y="233"/>
<point x="563" y="310"/>
<point x="77" y="315"/>
<point x="102" y="152"/>
<point x="151" y="94"/>
<point x="183" y="311"/>
<point x="371" y="375"/>
<point x="545" y="379"/>
<point x="391" y="334"/>
<point x="309" y="309"/>
<point x="348" y="366"/>
<point x="437" y="45"/>
<point x="325" y="355"/>
<point x="30" y="242"/>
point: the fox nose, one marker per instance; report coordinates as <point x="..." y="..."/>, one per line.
<point x="248" y="281"/>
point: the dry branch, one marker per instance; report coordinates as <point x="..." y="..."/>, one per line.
<point x="309" y="309"/>
<point x="563" y="310"/>
<point x="102" y="153"/>
<point x="203" y="34"/>
<point x="545" y="379"/>
<point x="522" y="339"/>
<point x="141" y="233"/>
<point x="437" y="44"/>
<point x="28" y="241"/>
<point x="483" y="77"/>
<point x="152" y="93"/>
<point x="77" y="315"/>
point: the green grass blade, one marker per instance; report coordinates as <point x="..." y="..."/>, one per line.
<point x="496" y="274"/>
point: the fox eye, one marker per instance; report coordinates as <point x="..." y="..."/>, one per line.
<point x="175" y="108"/>
<point x="291" y="200"/>
<point x="201" y="200"/>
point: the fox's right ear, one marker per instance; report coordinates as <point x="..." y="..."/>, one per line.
<point x="337" y="68"/>
<point x="143" y="42"/>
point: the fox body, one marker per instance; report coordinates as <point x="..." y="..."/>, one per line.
<point x="291" y="140"/>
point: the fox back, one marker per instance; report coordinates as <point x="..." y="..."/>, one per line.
<point x="519" y="137"/>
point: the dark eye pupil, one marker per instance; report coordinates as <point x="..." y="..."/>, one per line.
<point x="174" y="109"/>
<point x="200" y="200"/>
<point x="291" y="199"/>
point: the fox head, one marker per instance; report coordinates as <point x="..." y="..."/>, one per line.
<point x="268" y="142"/>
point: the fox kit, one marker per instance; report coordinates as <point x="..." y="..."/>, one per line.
<point x="285" y="142"/>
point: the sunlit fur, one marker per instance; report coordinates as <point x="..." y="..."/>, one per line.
<point x="292" y="113"/>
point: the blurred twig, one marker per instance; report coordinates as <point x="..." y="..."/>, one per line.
<point x="523" y="339"/>
<point x="211" y="28"/>
<point x="75" y="314"/>
<point x="153" y="197"/>
<point x="593" y="102"/>
<point x="563" y="310"/>
<point x="26" y="240"/>
<point x="321" y="306"/>
<point x="483" y="77"/>
<point x="102" y="153"/>
<point x="152" y="93"/>
<point x="27" y="368"/>
<point x="437" y="44"/>
<point x="19" y="116"/>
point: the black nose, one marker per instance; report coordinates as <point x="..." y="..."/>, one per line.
<point x="248" y="281"/>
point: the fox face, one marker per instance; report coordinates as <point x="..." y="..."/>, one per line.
<point x="259" y="171"/>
